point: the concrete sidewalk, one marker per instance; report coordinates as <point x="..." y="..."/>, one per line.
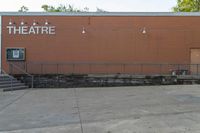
<point x="149" y="109"/>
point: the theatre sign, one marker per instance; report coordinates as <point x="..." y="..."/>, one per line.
<point x="33" y="29"/>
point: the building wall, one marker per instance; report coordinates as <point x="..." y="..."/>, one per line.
<point x="0" y="41"/>
<point x="107" y="39"/>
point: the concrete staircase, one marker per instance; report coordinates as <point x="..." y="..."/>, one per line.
<point x="9" y="83"/>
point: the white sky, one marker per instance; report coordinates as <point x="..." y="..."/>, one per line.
<point x="108" y="5"/>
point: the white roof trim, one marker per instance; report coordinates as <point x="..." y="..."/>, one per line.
<point x="100" y="14"/>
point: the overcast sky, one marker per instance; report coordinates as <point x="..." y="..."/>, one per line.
<point x="108" y="5"/>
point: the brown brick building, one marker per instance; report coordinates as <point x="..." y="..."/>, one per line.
<point x="100" y="42"/>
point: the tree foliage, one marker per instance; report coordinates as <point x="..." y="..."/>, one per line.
<point x="23" y="9"/>
<point x="67" y="8"/>
<point x="63" y="8"/>
<point x="187" y="6"/>
<point x="100" y="10"/>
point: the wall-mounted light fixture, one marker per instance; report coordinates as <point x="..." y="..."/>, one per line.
<point x="83" y="31"/>
<point x="144" y="30"/>
<point x="10" y="22"/>
<point x="22" y="22"/>
<point x="46" y="23"/>
<point x="34" y="23"/>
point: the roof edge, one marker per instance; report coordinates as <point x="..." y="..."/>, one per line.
<point x="100" y="13"/>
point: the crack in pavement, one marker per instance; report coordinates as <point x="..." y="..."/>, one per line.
<point x="13" y="101"/>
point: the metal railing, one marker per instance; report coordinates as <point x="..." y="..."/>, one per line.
<point x="104" y="68"/>
<point x="2" y="72"/>
<point x="12" y="70"/>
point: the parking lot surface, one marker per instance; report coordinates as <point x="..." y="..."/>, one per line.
<point x="144" y="109"/>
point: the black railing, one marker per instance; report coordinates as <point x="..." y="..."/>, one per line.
<point x="15" y="69"/>
<point x="103" y="68"/>
<point x="5" y="75"/>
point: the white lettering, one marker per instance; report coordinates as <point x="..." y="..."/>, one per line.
<point x="37" y="29"/>
<point x="26" y="30"/>
<point x="31" y="30"/>
<point x="17" y="30"/>
<point x="44" y="30"/>
<point x="52" y="30"/>
<point x="10" y="29"/>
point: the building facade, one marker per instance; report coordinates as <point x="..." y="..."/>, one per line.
<point x="43" y="43"/>
<point x="0" y="42"/>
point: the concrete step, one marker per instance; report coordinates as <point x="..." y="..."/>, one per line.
<point x="8" y="82"/>
<point x="3" y="75"/>
<point x="7" y="79"/>
<point x="5" y="83"/>
<point x="15" y="88"/>
<point x="9" y="85"/>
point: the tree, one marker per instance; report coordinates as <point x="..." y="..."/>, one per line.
<point x="23" y="9"/>
<point x="63" y="8"/>
<point x="100" y="10"/>
<point x="67" y="8"/>
<point x="187" y="6"/>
